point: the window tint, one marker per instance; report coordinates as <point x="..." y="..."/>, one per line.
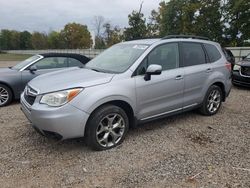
<point x="212" y="52"/>
<point x="74" y="62"/>
<point x="193" y="54"/>
<point x="141" y="70"/>
<point x="52" y="63"/>
<point x="166" y="55"/>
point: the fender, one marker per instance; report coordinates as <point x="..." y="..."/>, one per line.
<point x="110" y="99"/>
<point x="93" y="97"/>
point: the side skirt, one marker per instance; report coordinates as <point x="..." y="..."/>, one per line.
<point x="185" y="109"/>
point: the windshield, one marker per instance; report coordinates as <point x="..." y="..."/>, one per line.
<point x="248" y="56"/>
<point x="118" y="58"/>
<point x="25" y="62"/>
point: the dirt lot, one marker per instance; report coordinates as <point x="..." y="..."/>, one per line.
<point x="187" y="150"/>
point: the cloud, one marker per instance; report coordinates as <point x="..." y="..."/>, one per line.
<point x="49" y="15"/>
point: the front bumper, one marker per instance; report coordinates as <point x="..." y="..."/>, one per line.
<point x="65" y="122"/>
<point x="237" y="79"/>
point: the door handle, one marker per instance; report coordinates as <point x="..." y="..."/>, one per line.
<point x="179" y="77"/>
<point x="209" y="70"/>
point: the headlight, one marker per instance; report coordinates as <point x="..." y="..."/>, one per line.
<point x="236" y="67"/>
<point x="60" y="98"/>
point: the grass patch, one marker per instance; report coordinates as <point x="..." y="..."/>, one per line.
<point x="13" y="57"/>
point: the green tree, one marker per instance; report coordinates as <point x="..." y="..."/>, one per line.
<point x="39" y="40"/>
<point x="208" y="20"/>
<point x="15" y="40"/>
<point x="191" y="10"/>
<point x="55" y="40"/>
<point x="25" y="40"/>
<point x="76" y="36"/>
<point x="138" y="27"/>
<point x="153" y="24"/>
<point x="10" y="40"/>
<point x="99" y="42"/>
<point x="170" y="18"/>
<point x="178" y="16"/>
<point x="238" y="20"/>
<point x="114" y="37"/>
<point x="5" y="39"/>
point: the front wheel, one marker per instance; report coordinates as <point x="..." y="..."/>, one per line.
<point x="5" y="95"/>
<point x="212" y="101"/>
<point x="107" y="127"/>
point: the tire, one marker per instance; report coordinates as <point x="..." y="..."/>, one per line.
<point x="212" y="102"/>
<point x="106" y="127"/>
<point x="5" y="95"/>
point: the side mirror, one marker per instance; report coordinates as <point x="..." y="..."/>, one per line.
<point x="244" y="57"/>
<point x="152" y="70"/>
<point x="33" y="68"/>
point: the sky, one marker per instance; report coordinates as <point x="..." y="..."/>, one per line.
<point x="47" y="15"/>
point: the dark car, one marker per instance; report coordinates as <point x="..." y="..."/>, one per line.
<point x="14" y="79"/>
<point x="241" y="72"/>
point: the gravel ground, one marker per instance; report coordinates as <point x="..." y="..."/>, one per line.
<point x="187" y="150"/>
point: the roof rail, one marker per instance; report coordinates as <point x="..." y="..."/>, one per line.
<point x="185" y="37"/>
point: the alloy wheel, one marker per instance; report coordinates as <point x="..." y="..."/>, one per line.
<point x="214" y="101"/>
<point x="110" y="130"/>
<point x="4" y="96"/>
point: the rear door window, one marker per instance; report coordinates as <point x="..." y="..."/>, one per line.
<point x="193" y="54"/>
<point x="212" y="52"/>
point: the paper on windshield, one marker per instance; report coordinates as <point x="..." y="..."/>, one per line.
<point x="140" y="47"/>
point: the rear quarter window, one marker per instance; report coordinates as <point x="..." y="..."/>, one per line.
<point x="212" y="52"/>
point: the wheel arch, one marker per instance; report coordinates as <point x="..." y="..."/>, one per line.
<point x="123" y="105"/>
<point x="222" y="87"/>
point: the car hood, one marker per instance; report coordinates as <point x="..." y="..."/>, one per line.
<point x="244" y="63"/>
<point x="7" y="71"/>
<point x="70" y="78"/>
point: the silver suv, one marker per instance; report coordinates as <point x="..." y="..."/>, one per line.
<point x="130" y="83"/>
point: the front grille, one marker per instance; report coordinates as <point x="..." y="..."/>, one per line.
<point x="245" y="71"/>
<point x="30" y="95"/>
<point x="29" y="99"/>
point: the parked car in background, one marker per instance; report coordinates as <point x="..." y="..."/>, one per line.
<point x="14" y="79"/>
<point x="241" y="72"/>
<point x="130" y="83"/>
<point x="229" y="56"/>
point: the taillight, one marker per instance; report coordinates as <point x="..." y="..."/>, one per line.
<point x="228" y="66"/>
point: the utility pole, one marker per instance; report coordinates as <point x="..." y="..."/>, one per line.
<point x="141" y="7"/>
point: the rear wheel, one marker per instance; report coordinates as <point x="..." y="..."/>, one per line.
<point x="5" y="95"/>
<point x="212" y="101"/>
<point x="107" y="127"/>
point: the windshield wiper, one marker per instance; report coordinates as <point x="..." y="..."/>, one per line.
<point x="100" y="70"/>
<point x="95" y="70"/>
